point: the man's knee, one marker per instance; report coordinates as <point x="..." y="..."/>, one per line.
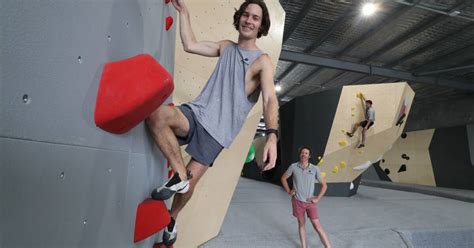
<point x="316" y="224"/>
<point x="157" y="119"/>
<point x="301" y="221"/>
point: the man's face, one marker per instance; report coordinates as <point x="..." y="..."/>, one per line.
<point x="367" y="105"/>
<point x="250" y="21"/>
<point x="304" y="155"/>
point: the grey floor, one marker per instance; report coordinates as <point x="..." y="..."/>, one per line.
<point x="259" y="215"/>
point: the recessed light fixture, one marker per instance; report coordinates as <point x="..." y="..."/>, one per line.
<point x="369" y="9"/>
<point x="278" y="88"/>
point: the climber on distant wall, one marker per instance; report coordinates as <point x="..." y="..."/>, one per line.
<point x="367" y="123"/>
<point x="216" y="116"/>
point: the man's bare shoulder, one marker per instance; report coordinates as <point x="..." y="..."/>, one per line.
<point x="265" y="61"/>
<point x="225" y="43"/>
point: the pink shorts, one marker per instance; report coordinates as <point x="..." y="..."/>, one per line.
<point x="300" y="207"/>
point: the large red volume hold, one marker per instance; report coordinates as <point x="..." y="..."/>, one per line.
<point x="152" y="216"/>
<point x="130" y="90"/>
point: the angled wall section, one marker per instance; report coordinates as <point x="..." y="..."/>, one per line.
<point x="202" y="217"/>
<point x="434" y="157"/>
<point x="409" y="160"/>
<point x="341" y="161"/>
<point x="64" y="182"/>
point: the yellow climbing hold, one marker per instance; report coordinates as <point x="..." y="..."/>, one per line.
<point x="321" y="162"/>
<point x="335" y="169"/>
<point x="360" y="152"/>
<point x="342" y="143"/>
<point x="353" y="108"/>
<point x="360" y="95"/>
<point x="343" y="164"/>
<point x="323" y="174"/>
<point x="343" y="131"/>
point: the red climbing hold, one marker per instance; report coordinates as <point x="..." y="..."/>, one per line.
<point x="167" y="1"/>
<point x="152" y="216"/>
<point x="130" y="90"/>
<point x="169" y="22"/>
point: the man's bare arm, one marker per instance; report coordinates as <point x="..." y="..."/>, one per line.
<point x="190" y="44"/>
<point x="270" y="110"/>
<point x="284" y="182"/>
<point x="321" y="192"/>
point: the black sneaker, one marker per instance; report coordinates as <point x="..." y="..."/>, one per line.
<point x="349" y="134"/>
<point x="361" y="145"/>
<point x="170" y="233"/>
<point x="174" y="185"/>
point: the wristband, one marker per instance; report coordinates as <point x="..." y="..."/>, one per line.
<point x="271" y="130"/>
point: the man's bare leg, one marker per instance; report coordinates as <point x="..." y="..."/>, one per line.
<point x="302" y="231"/>
<point x="165" y="123"/>
<point x="354" y="128"/>
<point x="197" y="170"/>
<point x="364" y="131"/>
<point x="322" y="234"/>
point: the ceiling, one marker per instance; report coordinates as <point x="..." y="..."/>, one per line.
<point x="418" y="37"/>
<point x="428" y="43"/>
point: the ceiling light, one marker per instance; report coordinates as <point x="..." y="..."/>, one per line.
<point x="278" y="88"/>
<point x="369" y="9"/>
<point x="454" y="13"/>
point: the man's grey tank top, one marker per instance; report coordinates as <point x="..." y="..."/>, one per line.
<point x="222" y="107"/>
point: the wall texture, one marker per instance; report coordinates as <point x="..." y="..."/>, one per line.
<point x="64" y="182"/>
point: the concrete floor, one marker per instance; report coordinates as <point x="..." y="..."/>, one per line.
<point x="259" y="215"/>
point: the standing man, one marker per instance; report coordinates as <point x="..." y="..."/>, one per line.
<point x="215" y="117"/>
<point x="365" y="124"/>
<point x="302" y="195"/>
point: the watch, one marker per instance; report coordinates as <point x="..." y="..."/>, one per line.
<point x="271" y="130"/>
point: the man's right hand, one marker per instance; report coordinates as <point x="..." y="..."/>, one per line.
<point x="292" y="192"/>
<point x="178" y="5"/>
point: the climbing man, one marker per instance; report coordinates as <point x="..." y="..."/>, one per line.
<point x="365" y="124"/>
<point x="212" y="121"/>
<point x="302" y="195"/>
